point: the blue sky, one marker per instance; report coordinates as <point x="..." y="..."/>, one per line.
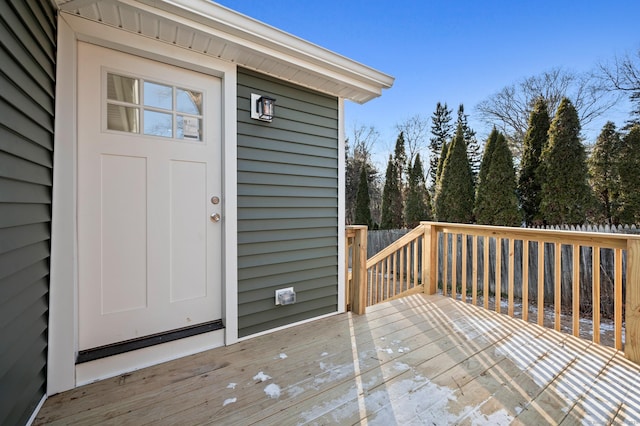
<point x="455" y="51"/>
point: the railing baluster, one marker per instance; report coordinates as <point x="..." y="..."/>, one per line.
<point x="382" y="279"/>
<point x="388" y="279"/>
<point x="454" y="266"/>
<point x="401" y="254"/>
<point x="575" y="297"/>
<point x="557" y="285"/>
<point x="415" y="262"/>
<point x="393" y="279"/>
<point x="540" y="282"/>
<point x="498" y="292"/>
<point x="407" y="267"/>
<point x="474" y="270"/>
<point x="525" y="280"/>
<point x="485" y="265"/>
<point x="511" y="267"/>
<point x="463" y="260"/>
<point x="617" y="310"/>
<point x="445" y="262"/>
<point x="595" y="297"/>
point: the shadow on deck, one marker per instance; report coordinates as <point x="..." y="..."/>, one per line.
<point x="415" y="360"/>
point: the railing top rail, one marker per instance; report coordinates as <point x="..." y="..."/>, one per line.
<point x="407" y="238"/>
<point x="544" y="235"/>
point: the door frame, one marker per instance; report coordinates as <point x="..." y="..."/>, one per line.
<point x="62" y="371"/>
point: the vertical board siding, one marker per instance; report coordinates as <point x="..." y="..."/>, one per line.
<point x="287" y="205"/>
<point x="27" y="79"/>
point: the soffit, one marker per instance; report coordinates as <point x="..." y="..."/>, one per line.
<point x="216" y="31"/>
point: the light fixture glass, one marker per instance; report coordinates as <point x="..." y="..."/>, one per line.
<point x="266" y="108"/>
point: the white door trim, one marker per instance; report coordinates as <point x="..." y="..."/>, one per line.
<point x="63" y="308"/>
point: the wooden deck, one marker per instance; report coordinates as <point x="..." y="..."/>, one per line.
<point x="416" y="360"/>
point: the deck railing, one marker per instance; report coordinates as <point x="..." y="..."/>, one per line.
<point x="394" y="271"/>
<point x="454" y="259"/>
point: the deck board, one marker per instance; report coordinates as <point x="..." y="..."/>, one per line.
<point x="416" y="360"/>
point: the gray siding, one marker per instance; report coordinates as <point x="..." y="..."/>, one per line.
<point x="287" y="204"/>
<point x="27" y="73"/>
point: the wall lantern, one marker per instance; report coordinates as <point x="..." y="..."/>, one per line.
<point x="262" y="107"/>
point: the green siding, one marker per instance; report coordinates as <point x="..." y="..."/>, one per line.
<point x="27" y="73"/>
<point x="287" y="204"/>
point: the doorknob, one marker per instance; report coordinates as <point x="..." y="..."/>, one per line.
<point x="215" y="217"/>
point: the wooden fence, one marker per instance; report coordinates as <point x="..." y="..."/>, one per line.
<point x="454" y="259"/>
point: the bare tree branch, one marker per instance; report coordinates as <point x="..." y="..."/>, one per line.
<point x="416" y="133"/>
<point x="623" y="74"/>
<point x="509" y="109"/>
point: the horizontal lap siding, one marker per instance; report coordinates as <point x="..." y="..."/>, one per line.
<point x="27" y="79"/>
<point x="287" y="205"/>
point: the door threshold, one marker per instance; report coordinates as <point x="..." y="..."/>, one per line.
<point x="146" y="341"/>
<point x="124" y="363"/>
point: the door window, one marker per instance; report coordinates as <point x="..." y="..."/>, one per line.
<point x="139" y="106"/>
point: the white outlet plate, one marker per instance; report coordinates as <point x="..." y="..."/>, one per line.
<point x="282" y="290"/>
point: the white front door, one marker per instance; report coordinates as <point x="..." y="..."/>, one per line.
<point x="149" y="190"/>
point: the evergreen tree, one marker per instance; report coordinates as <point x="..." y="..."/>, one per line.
<point x="629" y="170"/>
<point x="400" y="158"/>
<point x="455" y="194"/>
<point x="497" y="202"/>
<point x="565" y="197"/>
<point x="473" y="148"/>
<point x="391" y="199"/>
<point x="363" y="208"/>
<point x="418" y="203"/>
<point x="603" y="171"/>
<point x="357" y="156"/>
<point x="443" y="157"/>
<point x="441" y="128"/>
<point x="489" y="146"/>
<point x="529" y="182"/>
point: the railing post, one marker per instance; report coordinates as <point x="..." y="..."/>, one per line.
<point x="632" y="308"/>
<point x="429" y="251"/>
<point x="358" y="288"/>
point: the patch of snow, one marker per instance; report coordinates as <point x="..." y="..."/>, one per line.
<point x="324" y="354"/>
<point x="401" y="401"/>
<point x="282" y="356"/>
<point x="382" y="338"/>
<point x="498" y="418"/>
<point x="387" y="350"/>
<point x="294" y="391"/>
<point x="231" y="385"/>
<point x="403" y="349"/>
<point x="347" y="408"/>
<point x="261" y="377"/>
<point x="333" y="372"/>
<point x="272" y="390"/>
<point x="401" y="366"/>
<point x="229" y="401"/>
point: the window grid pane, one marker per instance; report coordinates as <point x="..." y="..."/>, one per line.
<point x="168" y="112"/>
